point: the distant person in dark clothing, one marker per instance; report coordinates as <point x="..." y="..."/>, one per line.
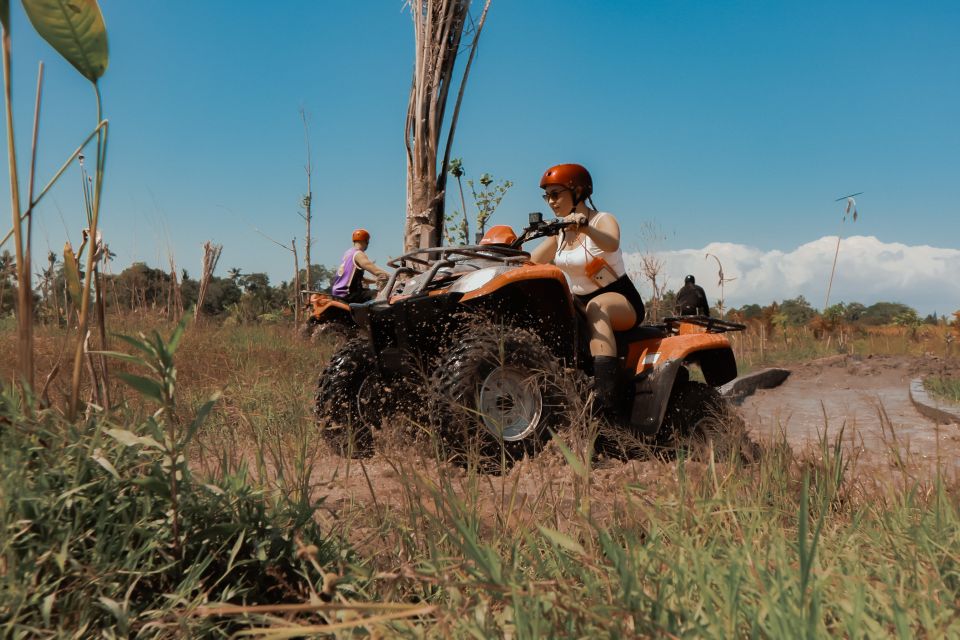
<point x="691" y="299"/>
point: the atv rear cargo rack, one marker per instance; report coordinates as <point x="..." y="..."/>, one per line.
<point x="712" y="325"/>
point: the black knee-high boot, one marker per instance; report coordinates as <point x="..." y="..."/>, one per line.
<point x="605" y="374"/>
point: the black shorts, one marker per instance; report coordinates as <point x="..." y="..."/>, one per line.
<point x="624" y="286"/>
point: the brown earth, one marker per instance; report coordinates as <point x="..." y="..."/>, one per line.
<point x="866" y="397"/>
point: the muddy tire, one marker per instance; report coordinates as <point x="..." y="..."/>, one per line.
<point x="692" y="407"/>
<point x="699" y="417"/>
<point x="335" y="333"/>
<point x="495" y="397"/>
<point x="306" y="329"/>
<point x="346" y="402"/>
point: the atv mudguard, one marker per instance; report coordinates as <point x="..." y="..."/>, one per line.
<point x="510" y="297"/>
<point x="325" y="308"/>
<point x="657" y="364"/>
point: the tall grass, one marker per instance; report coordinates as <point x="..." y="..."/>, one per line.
<point x="107" y="528"/>
<point x="565" y="545"/>
<point x="790" y="547"/>
<point x="943" y="387"/>
<point x="796" y="344"/>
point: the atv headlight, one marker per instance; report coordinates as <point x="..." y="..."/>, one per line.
<point x="475" y="280"/>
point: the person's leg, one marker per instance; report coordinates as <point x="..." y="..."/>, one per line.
<point x="607" y="313"/>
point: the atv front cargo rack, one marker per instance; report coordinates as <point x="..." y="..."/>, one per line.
<point x="431" y="260"/>
<point x="430" y="255"/>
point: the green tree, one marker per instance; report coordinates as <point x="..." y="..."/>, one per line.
<point x="884" y="312"/>
<point x="853" y="312"/>
<point x="320" y="275"/>
<point x="488" y="198"/>
<point x="487" y="195"/>
<point x="797" y="311"/>
<point x="8" y="297"/>
<point x="910" y="320"/>
<point x="749" y="311"/>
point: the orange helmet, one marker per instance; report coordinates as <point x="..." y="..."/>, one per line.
<point x="361" y="235"/>
<point x="499" y="234"/>
<point x="570" y="176"/>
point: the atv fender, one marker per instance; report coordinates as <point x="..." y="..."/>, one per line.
<point x="651" y="391"/>
<point x="653" y="385"/>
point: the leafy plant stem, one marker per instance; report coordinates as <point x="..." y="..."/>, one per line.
<point x="26" y="301"/>
<point x="24" y="348"/>
<point x="73" y="156"/>
<point x="88" y="275"/>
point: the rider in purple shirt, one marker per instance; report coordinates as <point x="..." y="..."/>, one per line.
<point x="349" y="281"/>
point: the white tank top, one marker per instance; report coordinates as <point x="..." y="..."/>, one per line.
<point x="573" y="262"/>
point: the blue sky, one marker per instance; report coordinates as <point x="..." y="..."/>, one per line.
<point x="733" y="122"/>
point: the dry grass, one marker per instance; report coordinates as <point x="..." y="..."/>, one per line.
<point x="570" y="544"/>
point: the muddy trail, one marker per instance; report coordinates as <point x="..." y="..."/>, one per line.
<point x="867" y="398"/>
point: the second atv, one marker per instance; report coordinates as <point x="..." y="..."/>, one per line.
<point x="326" y="315"/>
<point x="481" y="345"/>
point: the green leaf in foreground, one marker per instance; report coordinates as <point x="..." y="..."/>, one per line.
<point x="145" y="386"/>
<point x="562" y="540"/>
<point x="75" y="29"/>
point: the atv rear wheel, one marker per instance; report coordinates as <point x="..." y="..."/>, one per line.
<point x="692" y="405"/>
<point x="699" y="415"/>
<point x="497" y="394"/>
<point x="347" y="400"/>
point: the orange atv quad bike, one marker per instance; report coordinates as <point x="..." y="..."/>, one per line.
<point x="481" y="345"/>
<point x="326" y="315"/>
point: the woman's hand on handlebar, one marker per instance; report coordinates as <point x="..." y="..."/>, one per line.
<point x="554" y="227"/>
<point x="576" y="219"/>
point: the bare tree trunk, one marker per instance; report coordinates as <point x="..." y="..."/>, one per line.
<point x="307" y="205"/>
<point x="438" y="29"/>
<point x="296" y="280"/>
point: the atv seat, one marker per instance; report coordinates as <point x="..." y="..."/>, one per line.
<point x="635" y="334"/>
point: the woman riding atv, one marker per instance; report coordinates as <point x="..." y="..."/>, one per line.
<point x="589" y="255"/>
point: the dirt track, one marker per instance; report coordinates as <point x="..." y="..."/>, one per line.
<point x="868" y="397"/>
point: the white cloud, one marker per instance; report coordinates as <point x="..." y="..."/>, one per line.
<point x="868" y="270"/>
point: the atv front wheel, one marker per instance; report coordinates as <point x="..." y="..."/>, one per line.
<point x="347" y="401"/>
<point x="497" y="395"/>
<point x="333" y="332"/>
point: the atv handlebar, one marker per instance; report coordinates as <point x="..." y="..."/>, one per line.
<point x="540" y="229"/>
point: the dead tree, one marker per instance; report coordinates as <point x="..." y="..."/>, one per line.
<point x="211" y="255"/>
<point x="438" y="28"/>
<point x="651" y="266"/>
<point x="307" y="207"/>
<point x="174" y="295"/>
